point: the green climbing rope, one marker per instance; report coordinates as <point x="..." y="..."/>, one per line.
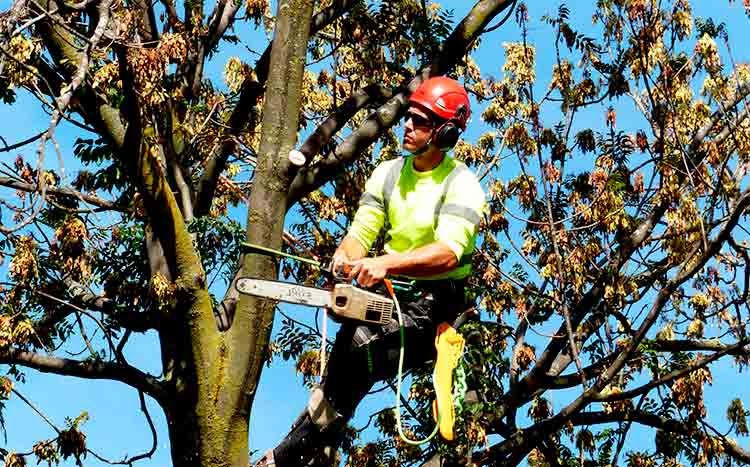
<point x="398" y="383"/>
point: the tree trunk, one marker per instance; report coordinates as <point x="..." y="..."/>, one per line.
<point x="200" y="440"/>
<point x="209" y="418"/>
<point x="184" y="438"/>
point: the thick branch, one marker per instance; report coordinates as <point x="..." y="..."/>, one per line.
<point x="149" y="177"/>
<point x="251" y="91"/>
<point x="221" y="18"/>
<point x="247" y="341"/>
<point x="454" y="49"/>
<point x="87" y="369"/>
<point x="372" y="94"/>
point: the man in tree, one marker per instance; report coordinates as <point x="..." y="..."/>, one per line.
<point x="430" y="206"/>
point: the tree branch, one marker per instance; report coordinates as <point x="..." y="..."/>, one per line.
<point x="655" y="421"/>
<point x="689" y="345"/>
<point x="22" y="143"/>
<point x="525" y="441"/>
<point x="159" y="201"/>
<point x="662" y="297"/>
<point x="531" y="382"/>
<point x="574" y="379"/>
<point x="454" y="49"/>
<point x="66" y="192"/>
<point x="87" y="369"/>
<point x="145" y="9"/>
<point x="371" y="94"/>
<point x="86" y="298"/>
<point x="59" y="42"/>
<point x="703" y="362"/>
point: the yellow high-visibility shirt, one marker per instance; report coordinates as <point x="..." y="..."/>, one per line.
<point x="443" y="204"/>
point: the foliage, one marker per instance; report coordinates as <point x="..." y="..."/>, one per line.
<point x="611" y="271"/>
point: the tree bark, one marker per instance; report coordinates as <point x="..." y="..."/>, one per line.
<point x="242" y="349"/>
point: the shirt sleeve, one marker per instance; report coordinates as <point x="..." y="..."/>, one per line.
<point x="459" y="217"/>
<point x="370" y="216"/>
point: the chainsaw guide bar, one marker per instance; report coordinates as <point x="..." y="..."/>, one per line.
<point x="284" y="292"/>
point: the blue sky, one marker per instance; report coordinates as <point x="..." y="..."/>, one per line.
<point x="117" y="428"/>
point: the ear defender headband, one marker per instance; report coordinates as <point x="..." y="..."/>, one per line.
<point x="446" y="136"/>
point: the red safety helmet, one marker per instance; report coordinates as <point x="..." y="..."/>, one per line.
<point x="445" y="98"/>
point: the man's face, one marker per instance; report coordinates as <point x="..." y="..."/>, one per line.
<point x="418" y="126"/>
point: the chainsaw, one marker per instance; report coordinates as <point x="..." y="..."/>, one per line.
<point x="343" y="300"/>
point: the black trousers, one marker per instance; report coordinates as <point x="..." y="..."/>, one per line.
<point x="365" y="354"/>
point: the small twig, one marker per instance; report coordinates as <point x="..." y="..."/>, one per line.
<point x="84" y="336"/>
<point x="37" y="410"/>
<point x="21" y="143"/>
<point x="623" y="435"/>
<point x="83" y="311"/>
<point x="301" y="324"/>
<point x="387" y="409"/>
<point x="486" y="170"/>
<point x="146" y="455"/>
<point x="205" y="121"/>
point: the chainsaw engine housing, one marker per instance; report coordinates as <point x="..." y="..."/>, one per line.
<point x="351" y="302"/>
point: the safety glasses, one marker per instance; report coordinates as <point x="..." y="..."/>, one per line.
<point x="418" y="120"/>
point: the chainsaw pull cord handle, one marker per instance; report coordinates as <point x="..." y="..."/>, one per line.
<point x="402" y="334"/>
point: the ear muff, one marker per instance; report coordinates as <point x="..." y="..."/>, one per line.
<point x="447" y="135"/>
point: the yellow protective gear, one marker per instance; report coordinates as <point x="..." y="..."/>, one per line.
<point x="450" y="347"/>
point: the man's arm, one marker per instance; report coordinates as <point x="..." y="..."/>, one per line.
<point x="351" y="248"/>
<point x="368" y="221"/>
<point x="429" y="260"/>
